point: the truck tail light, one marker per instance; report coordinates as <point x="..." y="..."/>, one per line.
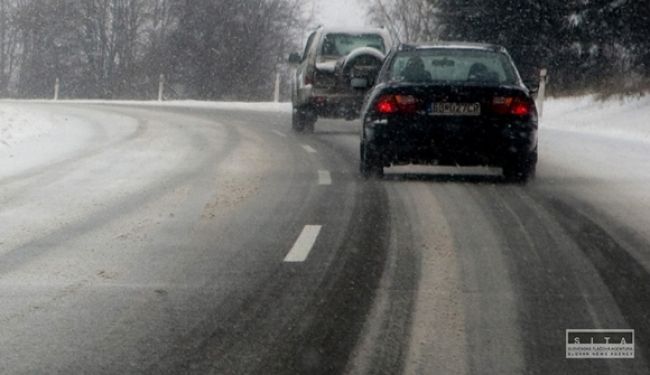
<point x="308" y="79"/>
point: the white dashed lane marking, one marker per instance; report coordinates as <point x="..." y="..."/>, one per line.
<point x="300" y="250"/>
<point x="324" y="178"/>
<point x="309" y="149"/>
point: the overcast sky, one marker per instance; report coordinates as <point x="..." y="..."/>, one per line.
<point x="344" y="13"/>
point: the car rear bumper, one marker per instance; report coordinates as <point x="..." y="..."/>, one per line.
<point x="450" y="141"/>
<point x="336" y="105"/>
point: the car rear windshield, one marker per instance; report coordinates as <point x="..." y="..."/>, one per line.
<point x="341" y="44"/>
<point x="456" y="66"/>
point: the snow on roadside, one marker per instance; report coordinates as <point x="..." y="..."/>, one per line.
<point x="17" y="124"/>
<point x="33" y="135"/>
<point x="624" y="118"/>
<point x="241" y="106"/>
<point x="246" y="106"/>
<point x="19" y="121"/>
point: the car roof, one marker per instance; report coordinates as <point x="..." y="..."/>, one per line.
<point x="451" y="45"/>
<point x="353" y="30"/>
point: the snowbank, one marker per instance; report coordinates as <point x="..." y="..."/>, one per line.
<point x="242" y="106"/>
<point x="626" y="118"/>
<point x="245" y="106"/>
<point x="17" y="124"/>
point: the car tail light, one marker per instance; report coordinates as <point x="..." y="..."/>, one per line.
<point x="511" y="105"/>
<point x="308" y="78"/>
<point x="388" y="104"/>
<point x="520" y="108"/>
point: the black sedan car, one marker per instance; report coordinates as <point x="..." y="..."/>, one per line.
<point x="452" y="104"/>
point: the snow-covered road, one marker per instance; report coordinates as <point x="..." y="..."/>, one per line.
<point x="148" y="238"/>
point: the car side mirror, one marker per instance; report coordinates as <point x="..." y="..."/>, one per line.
<point x="294" y="58"/>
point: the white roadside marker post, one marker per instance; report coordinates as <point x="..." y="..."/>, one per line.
<point x="541" y="93"/>
<point x="161" y="87"/>
<point x="56" y="89"/>
<point x="276" y="91"/>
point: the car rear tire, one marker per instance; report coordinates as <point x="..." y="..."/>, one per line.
<point x="521" y="169"/>
<point x="303" y="120"/>
<point x="370" y="164"/>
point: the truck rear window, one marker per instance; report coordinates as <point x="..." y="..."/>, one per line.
<point x="340" y="44"/>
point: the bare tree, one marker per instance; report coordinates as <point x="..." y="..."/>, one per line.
<point x="110" y="39"/>
<point x="233" y="52"/>
<point x="411" y="20"/>
<point x="118" y="48"/>
<point x="8" y="44"/>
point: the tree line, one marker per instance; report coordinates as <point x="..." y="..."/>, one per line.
<point x="206" y="49"/>
<point x="587" y="45"/>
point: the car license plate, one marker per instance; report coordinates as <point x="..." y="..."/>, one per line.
<point x="455" y="109"/>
